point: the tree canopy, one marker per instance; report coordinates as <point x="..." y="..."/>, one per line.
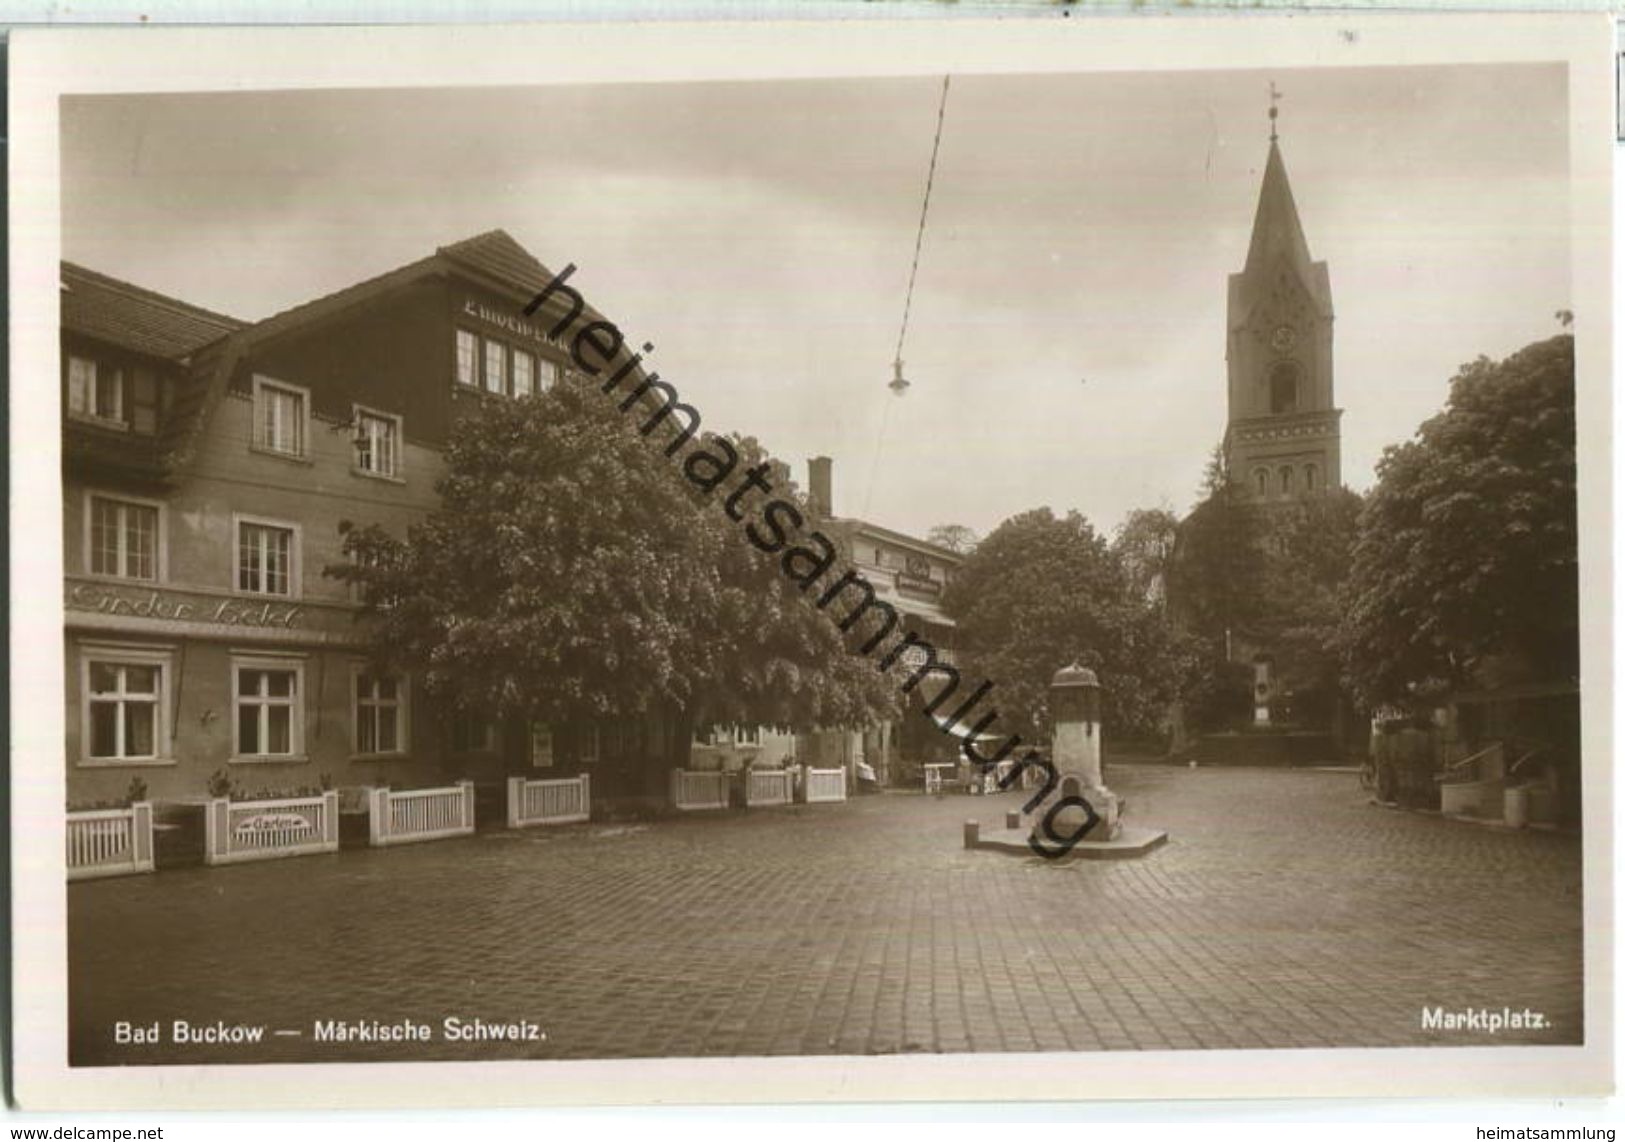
<point x="954" y="536"/>
<point x="1267" y="575"/>
<point x="1043" y="591"/>
<point x="1144" y="545"/>
<point x="1468" y="546"/>
<point x="571" y="570"/>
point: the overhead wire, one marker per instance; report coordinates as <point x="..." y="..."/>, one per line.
<point x="908" y="298"/>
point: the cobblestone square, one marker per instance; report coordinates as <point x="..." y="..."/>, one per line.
<point x="1286" y="911"/>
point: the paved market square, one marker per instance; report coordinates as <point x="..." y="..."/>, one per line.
<point x="1286" y="911"/>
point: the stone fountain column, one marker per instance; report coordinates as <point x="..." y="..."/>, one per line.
<point x="1075" y="754"/>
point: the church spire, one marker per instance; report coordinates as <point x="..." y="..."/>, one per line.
<point x="1276" y="228"/>
<point x="1283" y="438"/>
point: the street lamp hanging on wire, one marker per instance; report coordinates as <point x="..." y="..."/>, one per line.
<point x="899" y="383"/>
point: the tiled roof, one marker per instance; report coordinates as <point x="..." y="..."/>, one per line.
<point x="134" y="318"/>
<point x="497" y="255"/>
<point x="139" y="319"/>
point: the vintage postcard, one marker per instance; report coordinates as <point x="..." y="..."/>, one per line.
<point x="709" y="563"/>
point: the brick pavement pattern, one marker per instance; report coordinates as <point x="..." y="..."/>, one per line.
<point x="1286" y="911"/>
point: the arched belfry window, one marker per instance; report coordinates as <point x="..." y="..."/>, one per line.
<point x="1286" y="479"/>
<point x="1261" y="481"/>
<point x="1284" y="387"/>
<point x="1311" y="477"/>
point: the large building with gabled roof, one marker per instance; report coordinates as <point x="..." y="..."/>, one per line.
<point x="208" y="464"/>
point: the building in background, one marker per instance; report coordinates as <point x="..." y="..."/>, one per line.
<point x="910" y="575"/>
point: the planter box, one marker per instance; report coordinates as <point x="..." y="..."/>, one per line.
<point x="770" y="786"/>
<point x="824" y="785"/>
<point x="419" y="814"/>
<point x="555" y="802"/>
<point x="237" y="831"/>
<point x="110" y="842"/>
<point x="692" y="790"/>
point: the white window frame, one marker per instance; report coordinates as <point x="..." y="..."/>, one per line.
<point x="748" y="735"/>
<point x="160" y="557"/>
<point x="90" y="412"/>
<point x="403" y="713"/>
<point x="359" y="415"/>
<point x="542" y="730"/>
<point x="258" y="442"/>
<point x="548" y="373"/>
<point x="504" y="385"/>
<point x="291" y="664"/>
<point x="161" y="657"/>
<point x="514" y="357"/>
<point x="295" y="556"/>
<point x="475" y="379"/>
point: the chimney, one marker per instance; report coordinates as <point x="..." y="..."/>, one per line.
<point x="818" y="485"/>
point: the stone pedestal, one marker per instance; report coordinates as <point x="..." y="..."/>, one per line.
<point x="1080" y="791"/>
<point x="1077" y="817"/>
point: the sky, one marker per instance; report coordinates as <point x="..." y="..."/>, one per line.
<point x="1067" y="337"/>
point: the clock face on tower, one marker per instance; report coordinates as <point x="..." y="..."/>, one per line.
<point x="1283" y="338"/>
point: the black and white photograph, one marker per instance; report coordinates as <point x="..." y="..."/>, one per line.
<point x="846" y="558"/>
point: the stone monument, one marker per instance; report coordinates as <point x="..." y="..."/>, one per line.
<point x="1075" y="815"/>
<point x="1075" y="753"/>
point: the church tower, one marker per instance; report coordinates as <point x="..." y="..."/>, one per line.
<point x="1282" y="441"/>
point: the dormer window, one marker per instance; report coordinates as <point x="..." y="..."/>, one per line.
<point x="113" y="395"/>
<point x="95" y="390"/>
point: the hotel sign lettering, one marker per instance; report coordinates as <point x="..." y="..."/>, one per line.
<point x="175" y="606"/>
<point x="505" y="321"/>
<point x="916" y="579"/>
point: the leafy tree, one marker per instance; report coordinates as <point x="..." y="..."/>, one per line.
<point x="1144" y="545"/>
<point x="1040" y="592"/>
<point x="1308" y="549"/>
<point x="1467" y="553"/>
<point x="1268" y="574"/>
<point x="1219" y="558"/>
<point x="954" y="536"/>
<point x="571" y="570"/>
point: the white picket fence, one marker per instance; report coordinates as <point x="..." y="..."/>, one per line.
<point x="825" y="785"/>
<point x="554" y="802"/>
<point x="264" y="830"/>
<point x="110" y="842"/>
<point x="770" y="786"/>
<point x="691" y="789"/>
<point x="419" y="814"/>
